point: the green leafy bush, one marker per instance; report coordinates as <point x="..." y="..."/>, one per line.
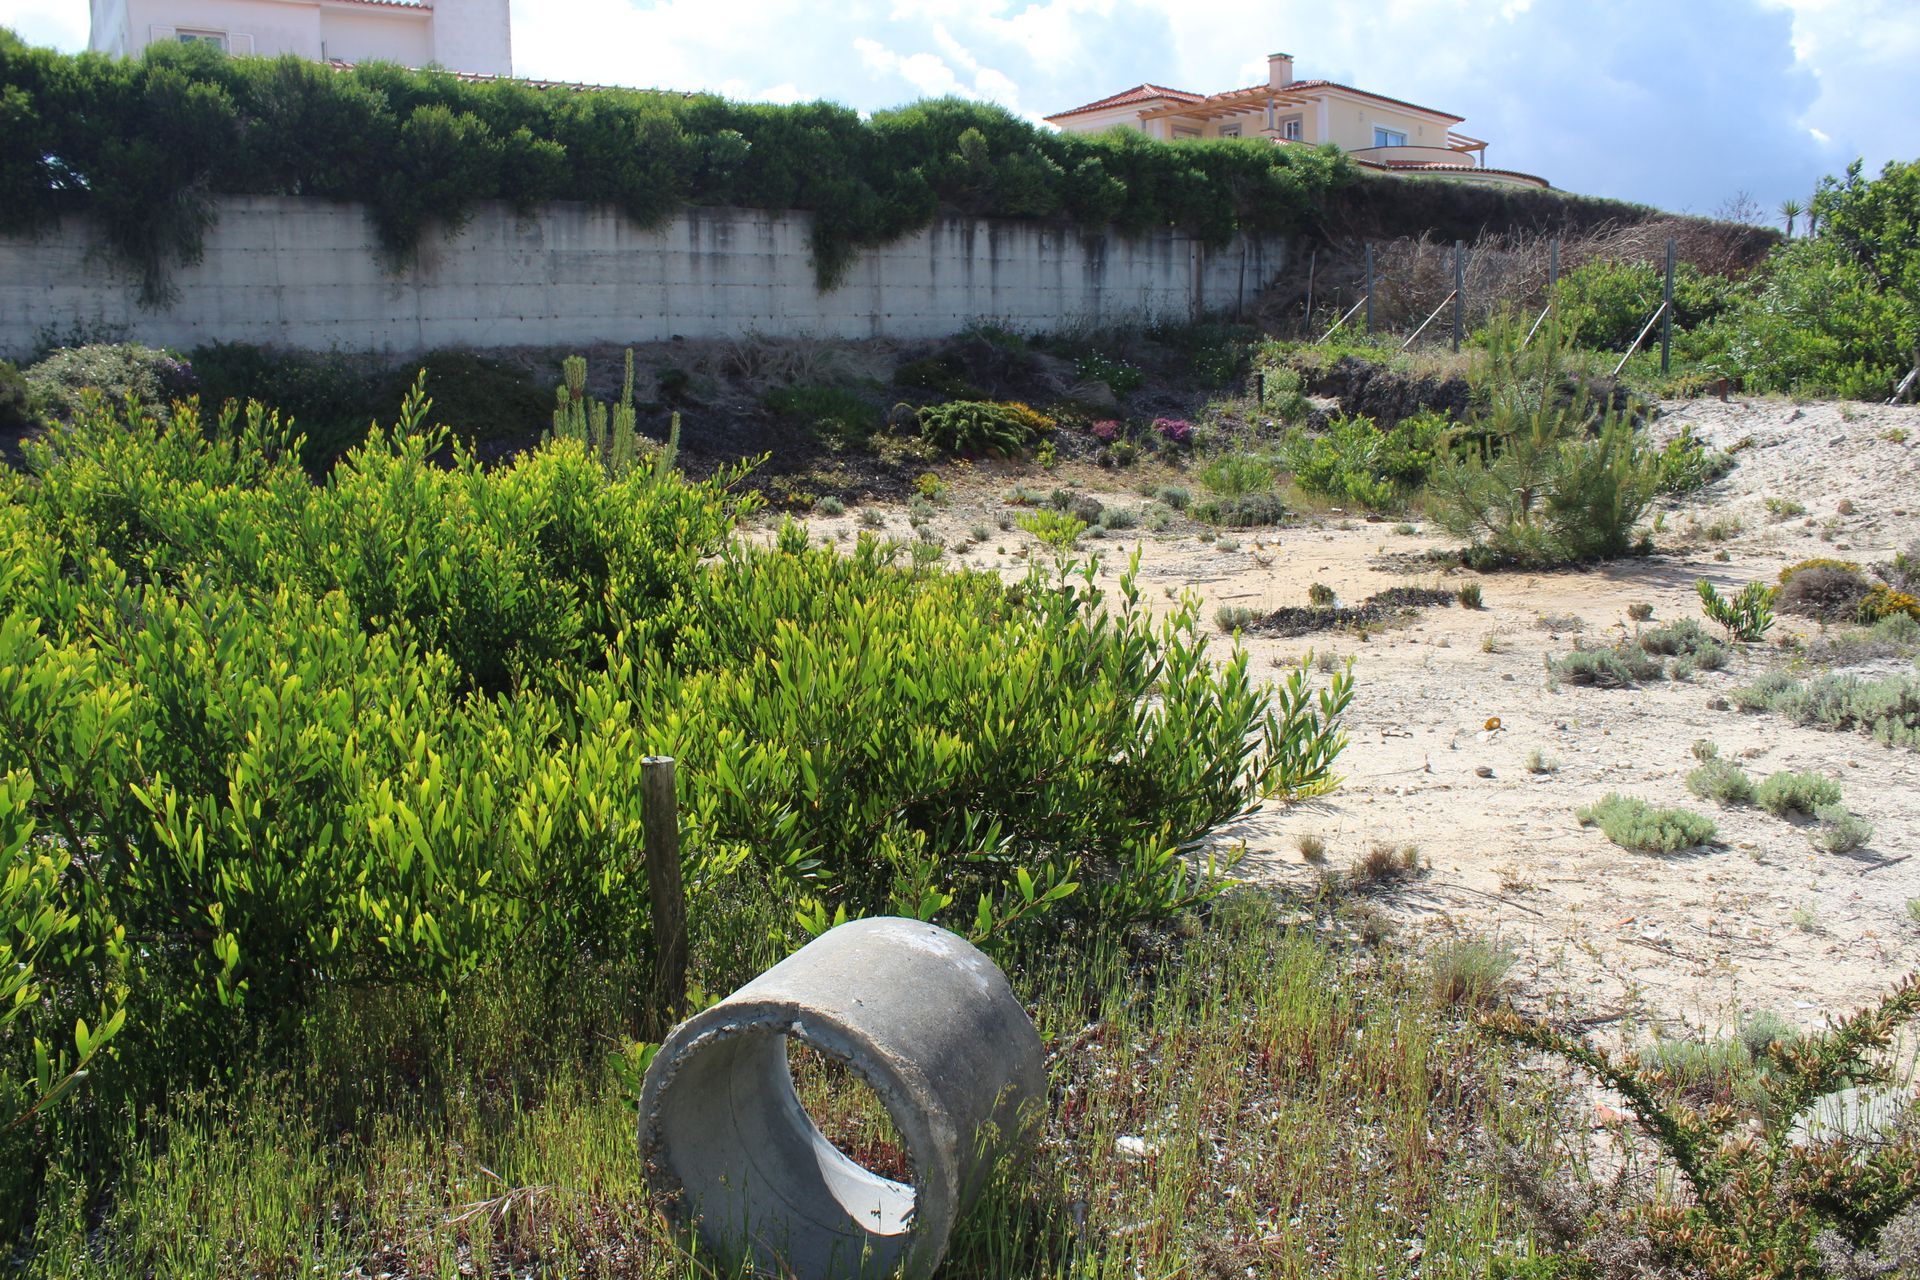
<point x="1057" y="529"/>
<point x="1838" y="830"/>
<point x="154" y="138"/>
<point x="384" y="733"/>
<point x="1634" y="824"/>
<point x="982" y="427"/>
<point x="1604" y="304"/>
<point x="1747" y="616"/>
<point x="1722" y="782"/>
<point x="1802" y="793"/>
<point x="1686" y="464"/>
<point x="1232" y="475"/>
<point x="16" y="409"/>
<point x="1887" y="709"/>
<point x="155" y="378"/>
<point x="1241" y="511"/>
<point x="1836" y="313"/>
<point x="1357" y="463"/>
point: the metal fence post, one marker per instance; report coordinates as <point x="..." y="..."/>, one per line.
<point x="1666" y="321"/>
<point x="1369" y="290"/>
<point x="1459" y="290"/>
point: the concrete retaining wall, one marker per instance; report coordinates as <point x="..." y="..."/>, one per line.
<point x="302" y="273"/>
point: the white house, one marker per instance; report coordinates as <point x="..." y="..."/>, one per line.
<point x="471" y="36"/>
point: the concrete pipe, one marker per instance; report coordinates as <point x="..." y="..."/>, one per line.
<point x="916" y="1012"/>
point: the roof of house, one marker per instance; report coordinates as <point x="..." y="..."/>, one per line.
<point x="1175" y="98"/>
<point x="1127" y="97"/>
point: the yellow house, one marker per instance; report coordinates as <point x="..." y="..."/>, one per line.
<point x="1377" y="131"/>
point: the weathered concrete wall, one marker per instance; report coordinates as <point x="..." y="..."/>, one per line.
<point x="303" y="273"/>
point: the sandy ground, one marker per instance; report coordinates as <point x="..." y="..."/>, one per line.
<point x="1627" y="941"/>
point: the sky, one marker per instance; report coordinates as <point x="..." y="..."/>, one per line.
<point x="1684" y="104"/>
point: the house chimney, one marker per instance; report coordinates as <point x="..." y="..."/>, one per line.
<point x="1279" y="70"/>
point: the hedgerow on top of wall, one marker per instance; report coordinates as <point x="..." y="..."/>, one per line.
<point x="143" y="145"/>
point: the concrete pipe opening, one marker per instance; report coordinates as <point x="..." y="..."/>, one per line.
<point x="912" y="1012"/>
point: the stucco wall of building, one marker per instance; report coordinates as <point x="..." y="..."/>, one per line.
<point x="308" y="274"/>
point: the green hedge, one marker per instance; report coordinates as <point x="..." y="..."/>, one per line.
<point x="142" y="145"/>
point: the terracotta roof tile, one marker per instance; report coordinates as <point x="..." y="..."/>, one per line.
<point x="1139" y="93"/>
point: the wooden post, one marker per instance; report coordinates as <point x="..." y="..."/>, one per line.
<point x="1666" y="323"/>
<point x="1553" y="266"/>
<point x="1369" y="289"/>
<point x="1459" y="290"/>
<point x="1313" y="259"/>
<point x="660" y="824"/>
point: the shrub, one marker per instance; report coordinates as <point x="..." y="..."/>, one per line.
<point x="1174" y="496"/>
<point x="1235" y="617"/>
<point x="943" y="375"/>
<point x="384" y="734"/>
<point x="830" y="506"/>
<point x="1175" y="431"/>
<point x="1686" y="464"/>
<point x="1722" y="782"/>
<point x="1801" y="793"/>
<point x="1747" y="616"/>
<point x="1839" y="831"/>
<point x="1634" y="824"/>
<point x="834" y="412"/>
<point x="1542" y="487"/>
<point x="1683" y="637"/>
<point x="981" y="427"/>
<point x="16" y="413"/>
<point x="1604" y="303"/>
<point x="1321" y="596"/>
<point x="1242" y="511"/>
<point x="1759" y="1194"/>
<point x="1233" y="475"/>
<point x="1640" y="611"/>
<point x="1902" y="573"/>
<point x="1823" y="592"/>
<point x="1883" y="601"/>
<point x="1470" y="596"/>
<point x="1469" y="972"/>
<point x="1618" y="668"/>
<point x="1056" y="529"/>
<point x="1121" y="377"/>
<point x="1357" y="463"/>
<point x="1887" y="709"/>
<point x="1106" y="430"/>
<point x="155" y="378"/>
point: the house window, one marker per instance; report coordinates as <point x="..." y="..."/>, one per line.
<point x="1388" y="137"/>
<point x="218" y="39"/>
<point x="1290" y="129"/>
<point x="1229" y="130"/>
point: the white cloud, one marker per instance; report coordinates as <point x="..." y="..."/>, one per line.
<point x="61" y="24"/>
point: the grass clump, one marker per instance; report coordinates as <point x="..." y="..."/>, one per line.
<point x="1241" y="511"/>
<point x="1887" y="709"/>
<point x="1235" y="617"/>
<point x="1470" y="596"/>
<point x="1722" y="782"/>
<point x="1634" y="824"/>
<point x="1539" y="761"/>
<point x="1839" y="831"/>
<point x="1469" y="972"/>
<point x="1797" y="793"/>
<point x="1621" y="667"/>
